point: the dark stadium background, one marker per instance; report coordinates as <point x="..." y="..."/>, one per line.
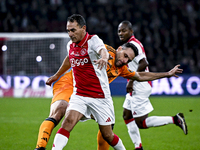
<point x="169" y="30"/>
<point x="170" y="33"/>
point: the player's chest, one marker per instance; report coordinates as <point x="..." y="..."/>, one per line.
<point x="79" y="56"/>
<point x="112" y="70"/>
<point x="78" y="52"/>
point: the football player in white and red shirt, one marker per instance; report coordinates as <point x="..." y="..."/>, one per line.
<point x="137" y="105"/>
<point x="88" y="58"/>
<point x="62" y="91"/>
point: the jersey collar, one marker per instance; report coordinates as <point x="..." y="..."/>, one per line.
<point x="132" y="37"/>
<point x="83" y="41"/>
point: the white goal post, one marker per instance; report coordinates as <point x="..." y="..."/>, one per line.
<point x="33" y="53"/>
<point x="28" y="60"/>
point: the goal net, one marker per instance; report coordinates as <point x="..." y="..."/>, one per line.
<point x="28" y="59"/>
<point x="33" y="53"/>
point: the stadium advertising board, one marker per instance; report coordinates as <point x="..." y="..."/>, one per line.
<point x="184" y="85"/>
<point x="24" y="86"/>
<point x="34" y="86"/>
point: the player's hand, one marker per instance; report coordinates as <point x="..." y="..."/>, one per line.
<point x="101" y="63"/>
<point x="129" y="87"/>
<point x="51" y="79"/>
<point x="174" y="71"/>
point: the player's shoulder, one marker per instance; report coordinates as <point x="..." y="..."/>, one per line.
<point x="136" y="42"/>
<point x="93" y="37"/>
<point x="70" y="42"/>
<point x="110" y="49"/>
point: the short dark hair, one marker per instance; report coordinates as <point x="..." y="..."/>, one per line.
<point x="132" y="46"/>
<point x="128" y="24"/>
<point x="78" y="18"/>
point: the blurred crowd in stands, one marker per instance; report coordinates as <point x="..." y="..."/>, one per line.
<point x="168" y="29"/>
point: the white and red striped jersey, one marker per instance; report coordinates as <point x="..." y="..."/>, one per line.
<point x="133" y="65"/>
<point x="88" y="80"/>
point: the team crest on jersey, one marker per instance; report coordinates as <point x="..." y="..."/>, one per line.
<point x="83" y="51"/>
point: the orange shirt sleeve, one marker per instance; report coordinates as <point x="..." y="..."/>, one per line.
<point x="126" y="72"/>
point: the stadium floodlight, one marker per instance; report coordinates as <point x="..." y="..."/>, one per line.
<point x="4" y="48"/>
<point x="21" y="51"/>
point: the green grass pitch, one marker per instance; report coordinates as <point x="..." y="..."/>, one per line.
<point x="20" y="119"/>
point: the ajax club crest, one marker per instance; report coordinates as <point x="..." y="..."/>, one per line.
<point x="83" y="52"/>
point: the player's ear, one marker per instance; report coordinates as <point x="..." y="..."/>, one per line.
<point x="119" y="48"/>
<point x="132" y="31"/>
<point x="84" y="27"/>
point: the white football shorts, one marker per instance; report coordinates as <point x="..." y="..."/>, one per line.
<point x="138" y="103"/>
<point x="102" y="109"/>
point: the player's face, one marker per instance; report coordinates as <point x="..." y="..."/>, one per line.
<point x="124" y="56"/>
<point x="76" y="33"/>
<point x="124" y="32"/>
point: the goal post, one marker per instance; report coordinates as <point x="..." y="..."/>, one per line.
<point x="28" y="59"/>
<point x="33" y="53"/>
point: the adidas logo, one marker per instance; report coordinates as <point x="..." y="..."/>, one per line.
<point x="134" y="113"/>
<point x="72" y="53"/>
<point x="108" y="120"/>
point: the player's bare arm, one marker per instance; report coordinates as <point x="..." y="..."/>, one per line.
<point x="103" y="60"/>
<point x="149" y="76"/>
<point x="63" y="68"/>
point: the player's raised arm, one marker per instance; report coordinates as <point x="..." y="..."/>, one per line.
<point x="63" y="68"/>
<point x="104" y="58"/>
<point x="149" y="76"/>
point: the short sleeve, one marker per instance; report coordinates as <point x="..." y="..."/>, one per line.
<point x="126" y="72"/>
<point x="68" y="46"/>
<point x="141" y="54"/>
<point x="139" y="57"/>
<point x="96" y="43"/>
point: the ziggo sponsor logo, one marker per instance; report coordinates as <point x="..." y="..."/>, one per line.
<point x="78" y="62"/>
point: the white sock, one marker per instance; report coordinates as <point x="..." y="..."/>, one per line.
<point x="119" y="145"/>
<point x="59" y="141"/>
<point x="134" y="133"/>
<point x="155" y="121"/>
